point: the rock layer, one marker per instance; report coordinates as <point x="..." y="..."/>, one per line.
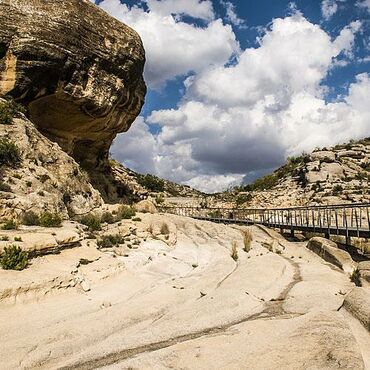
<point x="78" y="70"/>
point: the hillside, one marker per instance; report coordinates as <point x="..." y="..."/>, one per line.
<point x="340" y="174"/>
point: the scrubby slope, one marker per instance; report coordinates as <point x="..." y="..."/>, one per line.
<point x="340" y="174"/>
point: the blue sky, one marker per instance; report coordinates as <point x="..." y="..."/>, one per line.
<point x="235" y="87"/>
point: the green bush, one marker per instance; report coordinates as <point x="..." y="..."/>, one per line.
<point x="8" y="110"/>
<point x="136" y="219"/>
<point x="92" y="221"/>
<point x="159" y="200"/>
<point x="18" y="239"/>
<point x="108" y="218"/>
<point x="9" y="153"/>
<point x="126" y="212"/>
<point x="30" y="218"/>
<point x="9" y="225"/>
<point x="13" y="258"/>
<point x="152" y="183"/>
<point x="48" y="219"/>
<point x="243" y="198"/>
<point x="108" y="241"/>
<point x="337" y="189"/>
<point x="6" y="117"/>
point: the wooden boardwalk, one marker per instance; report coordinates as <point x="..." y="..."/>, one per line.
<point x="349" y="220"/>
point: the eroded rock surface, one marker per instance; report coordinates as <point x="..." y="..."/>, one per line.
<point x="178" y="302"/>
<point x="47" y="179"/>
<point x="330" y="252"/>
<point x="78" y="70"/>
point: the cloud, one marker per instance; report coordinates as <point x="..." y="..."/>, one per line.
<point x="194" y="8"/>
<point x="364" y="4"/>
<point x="232" y="16"/>
<point x="328" y="8"/>
<point x="173" y="47"/>
<point x="243" y="118"/>
<point x="294" y="56"/>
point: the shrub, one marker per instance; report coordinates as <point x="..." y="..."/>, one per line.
<point x="165" y="229"/>
<point x="4" y="238"/>
<point x="92" y="221"/>
<point x="159" y="200"/>
<point x="5" y="187"/>
<point x="10" y="225"/>
<point x="13" y="258"/>
<point x="108" y="241"/>
<point x="126" y="212"/>
<point x="8" y="110"/>
<point x="337" y="189"/>
<point x="247" y="240"/>
<point x="234" y="251"/>
<point x="41" y="193"/>
<point x="243" y="198"/>
<point x="9" y="153"/>
<point x="48" y="219"/>
<point x="107" y="217"/>
<point x="152" y="183"/>
<point x="355" y="277"/>
<point x="30" y="218"/>
<point x="6" y="117"/>
<point x="136" y="219"/>
<point x="18" y="239"/>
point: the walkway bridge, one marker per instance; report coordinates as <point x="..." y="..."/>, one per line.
<point x="349" y="220"/>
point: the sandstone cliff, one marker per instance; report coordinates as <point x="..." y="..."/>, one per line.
<point x="78" y="71"/>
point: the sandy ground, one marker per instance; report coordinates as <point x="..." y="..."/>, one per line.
<point x="181" y="302"/>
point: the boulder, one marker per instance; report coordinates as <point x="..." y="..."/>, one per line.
<point x="357" y="302"/>
<point x="364" y="270"/>
<point x="78" y="71"/>
<point x="146" y="206"/>
<point x="329" y="251"/>
<point x="324" y="155"/>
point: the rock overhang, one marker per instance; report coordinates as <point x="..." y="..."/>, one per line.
<point x="78" y="70"/>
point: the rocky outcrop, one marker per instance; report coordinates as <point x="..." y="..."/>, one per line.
<point x="78" y="71"/>
<point x="329" y="251"/>
<point x="364" y="271"/>
<point x="358" y="303"/>
<point x="46" y="179"/>
<point x="336" y="175"/>
<point x="146" y="206"/>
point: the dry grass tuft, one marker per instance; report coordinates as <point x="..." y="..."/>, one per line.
<point x="164" y="229"/>
<point x="247" y="240"/>
<point x="234" y="251"/>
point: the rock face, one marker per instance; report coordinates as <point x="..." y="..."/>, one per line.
<point x="46" y="179"/>
<point x="78" y="71"/>
<point x="358" y="303"/>
<point x="330" y="252"/>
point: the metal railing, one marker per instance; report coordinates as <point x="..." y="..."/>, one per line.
<point x="349" y="220"/>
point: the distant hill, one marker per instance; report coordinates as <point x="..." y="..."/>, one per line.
<point x="340" y="174"/>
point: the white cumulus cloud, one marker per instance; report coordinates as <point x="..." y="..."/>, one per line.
<point x="173" y="47"/>
<point x="328" y="8"/>
<point x="246" y="118"/>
